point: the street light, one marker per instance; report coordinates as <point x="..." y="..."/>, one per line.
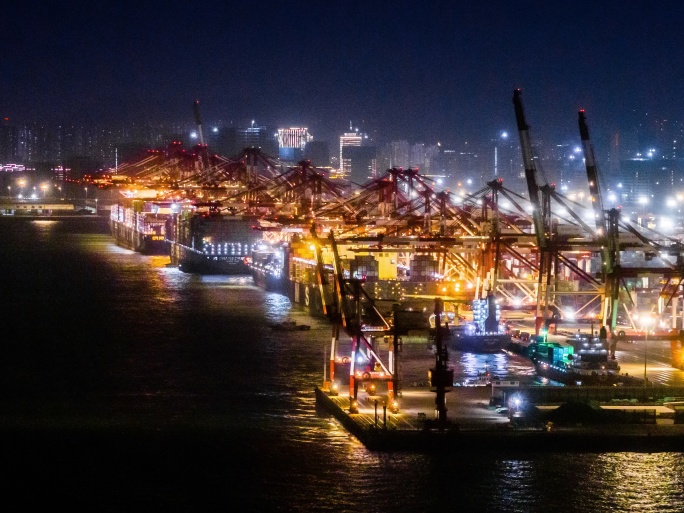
<point x="646" y="322"/>
<point x="86" y="196"/>
<point x="9" y="194"/>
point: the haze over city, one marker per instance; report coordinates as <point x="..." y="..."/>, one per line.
<point x="425" y="72"/>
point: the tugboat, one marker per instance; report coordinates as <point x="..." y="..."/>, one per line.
<point x="580" y="360"/>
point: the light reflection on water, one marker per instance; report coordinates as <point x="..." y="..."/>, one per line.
<point x="156" y="345"/>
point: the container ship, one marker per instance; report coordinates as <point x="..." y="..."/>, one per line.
<point x="399" y="271"/>
<point x="580" y="360"/>
<point x="268" y="269"/>
<point x="140" y="225"/>
<point x="290" y="268"/>
<point x="205" y="239"/>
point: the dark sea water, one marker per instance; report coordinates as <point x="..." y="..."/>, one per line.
<point x="129" y="386"/>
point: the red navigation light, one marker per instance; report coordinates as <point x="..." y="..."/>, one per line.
<point x="582" y="110"/>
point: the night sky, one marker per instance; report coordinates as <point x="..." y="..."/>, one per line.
<point x="421" y="70"/>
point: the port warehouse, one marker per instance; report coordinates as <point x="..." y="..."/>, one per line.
<point x="35" y="207"/>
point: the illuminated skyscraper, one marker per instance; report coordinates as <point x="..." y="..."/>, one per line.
<point x="291" y="143"/>
<point x="358" y="160"/>
<point x="347" y="140"/>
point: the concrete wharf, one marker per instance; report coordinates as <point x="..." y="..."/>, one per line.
<point x="476" y="427"/>
<point x="651" y="420"/>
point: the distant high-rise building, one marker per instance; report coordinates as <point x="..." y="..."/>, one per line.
<point x="318" y="152"/>
<point x="362" y="163"/>
<point x="358" y="159"/>
<point x="292" y="142"/>
<point x="431" y="156"/>
<point x="400" y="154"/>
<point x="230" y="141"/>
<point x="417" y="157"/>
<point x="348" y="140"/>
<point x="257" y="137"/>
<point x="9" y="143"/>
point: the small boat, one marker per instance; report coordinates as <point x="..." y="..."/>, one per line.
<point x="483" y="379"/>
<point x="290" y="326"/>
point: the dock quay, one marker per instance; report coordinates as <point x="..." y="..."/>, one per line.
<point x="551" y="418"/>
<point x="474" y="426"/>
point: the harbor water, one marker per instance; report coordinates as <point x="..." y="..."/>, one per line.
<point x="127" y="385"/>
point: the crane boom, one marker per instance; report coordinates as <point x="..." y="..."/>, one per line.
<point x="540" y="215"/>
<point x="530" y="169"/>
<point x="606" y="230"/>
<point x="198" y="121"/>
<point x="204" y="155"/>
<point x="592" y="176"/>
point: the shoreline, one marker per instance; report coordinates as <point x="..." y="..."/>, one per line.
<point x="469" y="435"/>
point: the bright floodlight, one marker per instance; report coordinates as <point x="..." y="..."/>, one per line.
<point x="645" y="320"/>
<point x="666" y="223"/>
<point x="643" y="200"/>
<point x="670" y="202"/>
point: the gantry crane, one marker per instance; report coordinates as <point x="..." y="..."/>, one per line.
<point x="608" y="236"/>
<point x="607" y="232"/>
<point x="540" y="213"/>
<point x="345" y="313"/>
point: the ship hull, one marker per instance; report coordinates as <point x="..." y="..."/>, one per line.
<point x="571" y="377"/>
<point x="480" y="343"/>
<point x="305" y="295"/>
<point x="268" y="281"/>
<point x="211" y="244"/>
<point x="130" y="238"/>
<point x="191" y="261"/>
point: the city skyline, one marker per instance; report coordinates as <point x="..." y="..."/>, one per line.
<point x="430" y="72"/>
